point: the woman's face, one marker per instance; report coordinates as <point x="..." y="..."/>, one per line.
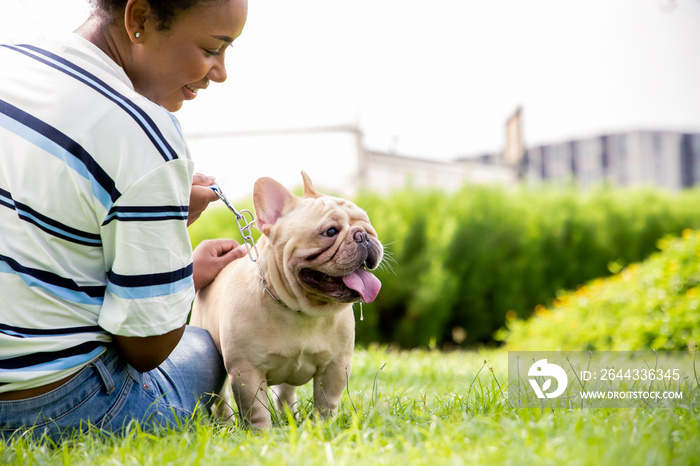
<point x="171" y="66"/>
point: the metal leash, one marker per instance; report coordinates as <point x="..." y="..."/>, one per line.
<point x="245" y="224"/>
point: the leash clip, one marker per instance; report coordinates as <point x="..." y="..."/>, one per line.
<point x="245" y="224"/>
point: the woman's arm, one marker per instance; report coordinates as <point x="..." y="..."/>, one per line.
<point x="147" y="353"/>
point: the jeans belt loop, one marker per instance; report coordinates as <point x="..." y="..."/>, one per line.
<point x="105" y="376"/>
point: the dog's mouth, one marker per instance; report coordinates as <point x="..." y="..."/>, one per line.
<point x="359" y="285"/>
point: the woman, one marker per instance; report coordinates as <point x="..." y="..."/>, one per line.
<point x="97" y="273"/>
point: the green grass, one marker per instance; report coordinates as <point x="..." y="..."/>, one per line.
<point x="404" y="407"/>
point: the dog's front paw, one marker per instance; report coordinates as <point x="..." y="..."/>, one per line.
<point x="324" y="413"/>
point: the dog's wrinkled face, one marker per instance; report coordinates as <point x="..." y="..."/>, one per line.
<point x="324" y="246"/>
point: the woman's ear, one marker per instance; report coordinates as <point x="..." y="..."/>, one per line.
<point x="136" y="13"/>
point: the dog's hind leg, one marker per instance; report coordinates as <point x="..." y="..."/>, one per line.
<point x="223" y="408"/>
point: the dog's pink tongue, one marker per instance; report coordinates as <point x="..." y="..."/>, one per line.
<point x="364" y="283"/>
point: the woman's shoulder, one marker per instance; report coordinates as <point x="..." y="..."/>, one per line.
<point x="82" y="73"/>
<point x="81" y="100"/>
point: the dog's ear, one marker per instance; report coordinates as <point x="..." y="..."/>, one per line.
<point x="271" y="201"/>
<point x="309" y="191"/>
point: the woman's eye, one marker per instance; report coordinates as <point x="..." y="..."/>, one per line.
<point x="331" y="232"/>
<point x="218" y="51"/>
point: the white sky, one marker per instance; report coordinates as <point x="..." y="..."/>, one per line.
<point x="439" y="78"/>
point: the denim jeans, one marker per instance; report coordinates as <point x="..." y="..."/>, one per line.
<point x="109" y="393"/>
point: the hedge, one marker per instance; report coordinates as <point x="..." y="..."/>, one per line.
<point x="460" y="265"/>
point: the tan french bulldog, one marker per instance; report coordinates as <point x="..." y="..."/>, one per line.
<point x="314" y="254"/>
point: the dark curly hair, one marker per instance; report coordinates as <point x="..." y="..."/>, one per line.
<point x="165" y="11"/>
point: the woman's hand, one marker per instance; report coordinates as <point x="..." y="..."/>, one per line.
<point x="211" y="256"/>
<point x="200" y="196"/>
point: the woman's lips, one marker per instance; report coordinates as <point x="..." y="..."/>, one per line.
<point x="189" y="91"/>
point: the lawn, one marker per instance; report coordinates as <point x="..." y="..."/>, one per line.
<point x="404" y="407"/>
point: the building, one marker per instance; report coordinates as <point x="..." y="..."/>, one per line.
<point x="515" y="148"/>
<point x="383" y="172"/>
<point x="338" y="161"/>
<point x="665" y="159"/>
<point x="335" y="157"/>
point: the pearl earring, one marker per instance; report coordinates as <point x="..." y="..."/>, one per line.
<point x="137" y="35"/>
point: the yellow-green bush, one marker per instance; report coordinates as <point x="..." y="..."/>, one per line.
<point x="463" y="264"/>
<point x="649" y="305"/>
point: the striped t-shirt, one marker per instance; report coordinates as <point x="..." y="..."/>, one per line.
<point x="94" y="193"/>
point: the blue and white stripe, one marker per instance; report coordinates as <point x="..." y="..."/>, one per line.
<point x="149" y="286"/>
<point x="146" y="214"/>
<point x="71" y="69"/>
<point x="61" y="146"/>
<point x="54" y="361"/>
<point x="64" y="288"/>
<point x="47" y="224"/>
<point x="22" y="332"/>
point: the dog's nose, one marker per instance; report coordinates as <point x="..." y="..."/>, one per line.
<point x="360" y="237"/>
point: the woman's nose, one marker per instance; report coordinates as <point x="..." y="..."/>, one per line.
<point x="218" y="71"/>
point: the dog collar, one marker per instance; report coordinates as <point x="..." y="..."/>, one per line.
<point x="263" y="282"/>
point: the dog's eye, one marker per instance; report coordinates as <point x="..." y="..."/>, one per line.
<point x="331" y="232"/>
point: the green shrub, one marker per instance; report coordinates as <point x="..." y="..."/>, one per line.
<point x="461" y="265"/>
<point x="649" y="305"/>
